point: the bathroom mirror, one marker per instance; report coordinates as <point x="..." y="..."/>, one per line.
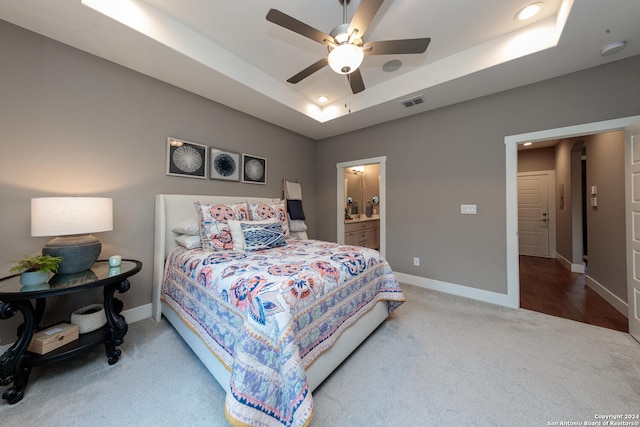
<point x="362" y="186"/>
<point x="353" y="189"/>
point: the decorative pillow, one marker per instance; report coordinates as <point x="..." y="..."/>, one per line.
<point x="214" y="230"/>
<point x="236" y="231"/>
<point x="189" y="242"/>
<point x="188" y="226"/>
<point x="262" y="236"/>
<point x="296" y="225"/>
<point x="295" y="209"/>
<point x="270" y="210"/>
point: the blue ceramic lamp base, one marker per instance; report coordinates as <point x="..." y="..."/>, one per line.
<point x="78" y="252"/>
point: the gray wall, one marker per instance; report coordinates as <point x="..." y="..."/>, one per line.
<point x="441" y="159"/>
<point x="564" y="216"/>
<point x="537" y="159"/>
<point x="606" y="223"/>
<point x="74" y="124"/>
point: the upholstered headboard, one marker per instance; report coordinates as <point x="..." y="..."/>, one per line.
<point x="172" y="209"/>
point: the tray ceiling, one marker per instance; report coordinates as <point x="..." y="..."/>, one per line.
<point x="228" y="52"/>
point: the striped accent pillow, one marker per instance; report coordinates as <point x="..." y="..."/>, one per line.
<point x="262" y="236"/>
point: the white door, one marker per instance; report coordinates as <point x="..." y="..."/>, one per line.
<point x="533" y="215"/>
<point x="632" y="191"/>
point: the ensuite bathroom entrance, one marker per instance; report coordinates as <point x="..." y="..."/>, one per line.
<point x="361" y="203"/>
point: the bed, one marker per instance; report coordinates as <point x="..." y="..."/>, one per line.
<point x="269" y="356"/>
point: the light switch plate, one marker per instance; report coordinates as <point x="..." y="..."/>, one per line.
<point x="468" y="209"/>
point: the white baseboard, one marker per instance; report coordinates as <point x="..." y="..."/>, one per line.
<point x="138" y="313"/>
<point x="577" y="268"/>
<point x="574" y="268"/>
<point x="459" y="290"/>
<point x="132" y="315"/>
<point x="605" y="293"/>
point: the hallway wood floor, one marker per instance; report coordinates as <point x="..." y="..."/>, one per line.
<point x="546" y="286"/>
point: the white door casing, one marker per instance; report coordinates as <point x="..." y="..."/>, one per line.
<point x="534" y="214"/>
<point x="340" y="167"/>
<point x="632" y="208"/>
<point x="512" y="298"/>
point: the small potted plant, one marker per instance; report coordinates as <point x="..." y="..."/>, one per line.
<point x="36" y="269"/>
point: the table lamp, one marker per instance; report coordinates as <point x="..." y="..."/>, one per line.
<point x="72" y="218"/>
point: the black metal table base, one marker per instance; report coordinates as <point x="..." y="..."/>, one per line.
<point x="16" y="363"/>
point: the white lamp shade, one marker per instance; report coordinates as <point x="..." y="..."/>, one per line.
<point x="64" y="216"/>
<point x="346" y="58"/>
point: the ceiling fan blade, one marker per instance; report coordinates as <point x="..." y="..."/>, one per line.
<point x="309" y="70"/>
<point x="392" y="47"/>
<point x="296" y="26"/>
<point x="364" y="15"/>
<point x="355" y="81"/>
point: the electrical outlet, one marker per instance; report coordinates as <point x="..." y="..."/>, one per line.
<point x="416" y="261"/>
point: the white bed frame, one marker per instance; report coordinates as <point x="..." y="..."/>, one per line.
<point x="174" y="208"/>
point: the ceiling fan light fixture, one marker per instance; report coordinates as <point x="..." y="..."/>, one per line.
<point x="346" y="58"/>
<point x="340" y="34"/>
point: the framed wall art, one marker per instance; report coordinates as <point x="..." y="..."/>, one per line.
<point x="186" y="159"/>
<point x="225" y="165"/>
<point x="254" y="169"/>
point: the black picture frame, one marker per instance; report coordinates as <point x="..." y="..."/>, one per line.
<point x="224" y="165"/>
<point x="186" y="159"/>
<point x="254" y="169"/>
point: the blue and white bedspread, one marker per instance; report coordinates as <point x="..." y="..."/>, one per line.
<point x="267" y="315"/>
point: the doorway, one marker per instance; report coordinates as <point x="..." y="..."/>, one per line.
<point x="511" y="144"/>
<point x="341" y="196"/>
<point x="549" y="286"/>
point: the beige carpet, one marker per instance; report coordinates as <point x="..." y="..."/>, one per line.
<point x="442" y="360"/>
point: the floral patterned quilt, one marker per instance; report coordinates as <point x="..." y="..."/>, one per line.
<point x="267" y="315"/>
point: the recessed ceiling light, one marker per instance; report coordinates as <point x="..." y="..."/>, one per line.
<point x="322" y="99"/>
<point x="526" y="144"/>
<point x="612" y="48"/>
<point x="529" y="11"/>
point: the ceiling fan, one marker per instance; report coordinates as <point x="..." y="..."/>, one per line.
<point x="345" y="42"/>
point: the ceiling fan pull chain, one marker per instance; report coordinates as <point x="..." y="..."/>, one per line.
<point x="347" y="99"/>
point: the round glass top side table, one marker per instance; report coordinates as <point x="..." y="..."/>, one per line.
<point x="16" y="363"/>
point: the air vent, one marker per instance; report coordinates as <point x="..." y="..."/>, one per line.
<point x="413" y="101"/>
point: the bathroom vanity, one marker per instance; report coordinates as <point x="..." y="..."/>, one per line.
<point x="363" y="231"/>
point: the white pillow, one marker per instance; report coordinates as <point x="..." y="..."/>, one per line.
<point x="189" y="242"/>
<point x="236" y="231"/>
<point x="297" y="225"/>
<point x="189" y="227"/>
